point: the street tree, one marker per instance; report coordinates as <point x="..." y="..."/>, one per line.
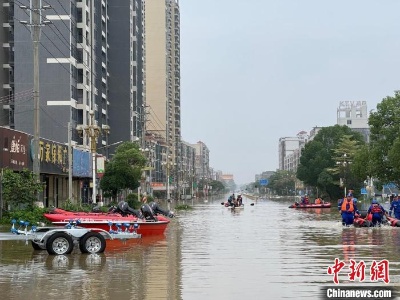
<point x="343" y="155"/>
<point x="384" y="126"/>
<point x="318" y="159"/>
<point x="20" y="188"/>
<point x="362" y="165"/>
<point x="124" y="170"/>
<point x="282" y="182"/>
<point x="218" y="186"/>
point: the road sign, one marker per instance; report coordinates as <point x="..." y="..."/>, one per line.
<point x="390" y="186"/>
<point x="263" y="181"/>
<point x="364" y="191"/>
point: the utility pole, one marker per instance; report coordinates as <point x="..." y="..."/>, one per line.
<point x="69" y="162"/>
<point x="36" y="18"/>
<point x="167" y="164"/>
<point x="1" y="194"/>
<point x="168" y="192"/>
<point x="35" y="24"/>
<point x="93" y="131"/>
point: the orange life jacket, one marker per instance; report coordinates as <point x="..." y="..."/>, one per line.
<point x="344" y="206"/>
<point x="318" y="201"/>
<point x="376" y="208"/>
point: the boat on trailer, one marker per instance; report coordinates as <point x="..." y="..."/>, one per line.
<point x="60" y="217"/>
<point x="61" y="240"/>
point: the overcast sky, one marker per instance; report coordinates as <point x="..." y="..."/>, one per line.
<point x="253" y="71"/>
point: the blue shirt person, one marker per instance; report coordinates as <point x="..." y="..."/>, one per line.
<point x="305" y="200"/>
<point x="231" y="199"/>
<point x="348" y="208"/>
<point x="377" y="212"/>
<point x="395" y="207"/>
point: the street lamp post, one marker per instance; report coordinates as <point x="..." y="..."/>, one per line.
<point x="167" y="165"/>
<point x="168" y="187"/>
<point x="343" y="163"/>
<point x="93" y="131"/>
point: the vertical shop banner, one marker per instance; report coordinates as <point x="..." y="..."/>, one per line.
<point x="82" y="163"/>
<point x="100" y="166"/>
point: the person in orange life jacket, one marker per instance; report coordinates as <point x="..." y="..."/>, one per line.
<point x="318" y="201"/>
<point x="377" y="212"/>
<point x="395" y="207"/>
<point x="348" y="208"/>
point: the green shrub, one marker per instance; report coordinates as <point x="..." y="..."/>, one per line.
<point x="132" y="200"/>
<point x="33" y="216"/>
<point x="68" y="205"/>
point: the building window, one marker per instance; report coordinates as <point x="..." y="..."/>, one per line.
<point x="348" y="122"/>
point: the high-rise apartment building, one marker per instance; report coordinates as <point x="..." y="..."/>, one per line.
<point x="72" y="67"/>
<point x="125" y="57"/>
<point x="91" y="60"/>
<point x="162" y="69"/>
<point x="115" y="60"/>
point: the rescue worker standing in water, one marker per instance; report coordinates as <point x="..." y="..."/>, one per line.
<point x="395" y="207"/>
<point x="348" y="208"/>
<point x="377" y="212"/>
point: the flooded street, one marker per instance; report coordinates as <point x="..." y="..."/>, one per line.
<point x="259" y="252"/>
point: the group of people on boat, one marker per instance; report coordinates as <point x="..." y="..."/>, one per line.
<point x="305" y="200"/>
<point x="375" y="214"/>
<point x="235" y="201"/>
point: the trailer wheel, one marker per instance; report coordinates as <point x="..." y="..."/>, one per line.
<point x="59" y="243"/>
<point x="36" y="246"/>
<point x="92" y="242"/>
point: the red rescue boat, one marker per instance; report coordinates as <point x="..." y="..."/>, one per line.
<point x="60" y="217"/>
<point x="365" y="220"/>
<point x="311" y="205"/>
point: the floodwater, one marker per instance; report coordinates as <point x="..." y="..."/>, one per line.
<point x="265" y="251"/>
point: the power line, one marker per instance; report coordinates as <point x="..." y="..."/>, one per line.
<point x="156" y="118"/>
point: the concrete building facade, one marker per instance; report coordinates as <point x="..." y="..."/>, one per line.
<point x="354" y="114"/>
<point x="290" y="151"/>
<point x="162" y="69"/>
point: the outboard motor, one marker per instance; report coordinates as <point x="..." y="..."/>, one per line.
<point x="158" y="210"/>
<point x="148" y="213"/>
<point x="112" y="209"/>
<point x="125" y="210"/>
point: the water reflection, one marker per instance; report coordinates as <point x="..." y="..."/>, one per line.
<point x="141" y="269"/>
<point x="211" y="252"/>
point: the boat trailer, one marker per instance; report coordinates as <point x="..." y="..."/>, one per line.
<point x="61" y="240"/>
